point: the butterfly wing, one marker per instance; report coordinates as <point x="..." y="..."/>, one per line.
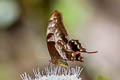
<point x="60" y="47"/>
<point x="56" y="27"/>
<point x="55" y="33"/>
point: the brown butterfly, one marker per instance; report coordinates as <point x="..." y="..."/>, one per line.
<point x="60" y="47"/>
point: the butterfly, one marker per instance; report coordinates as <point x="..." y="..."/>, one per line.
<point x="61" y="48"/>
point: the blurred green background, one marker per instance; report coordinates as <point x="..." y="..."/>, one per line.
<point x="95" y="23"/>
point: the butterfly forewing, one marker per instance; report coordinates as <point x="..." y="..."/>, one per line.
<point x="55" y="33"/>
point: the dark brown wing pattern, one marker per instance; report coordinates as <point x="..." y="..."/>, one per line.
<point x="60" y="47"/>
<point x="55" y="33"/>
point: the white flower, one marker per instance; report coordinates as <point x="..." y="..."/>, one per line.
<point x="54" y="73"/>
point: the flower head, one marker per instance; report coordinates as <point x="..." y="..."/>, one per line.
<point x="54" y="73"/>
